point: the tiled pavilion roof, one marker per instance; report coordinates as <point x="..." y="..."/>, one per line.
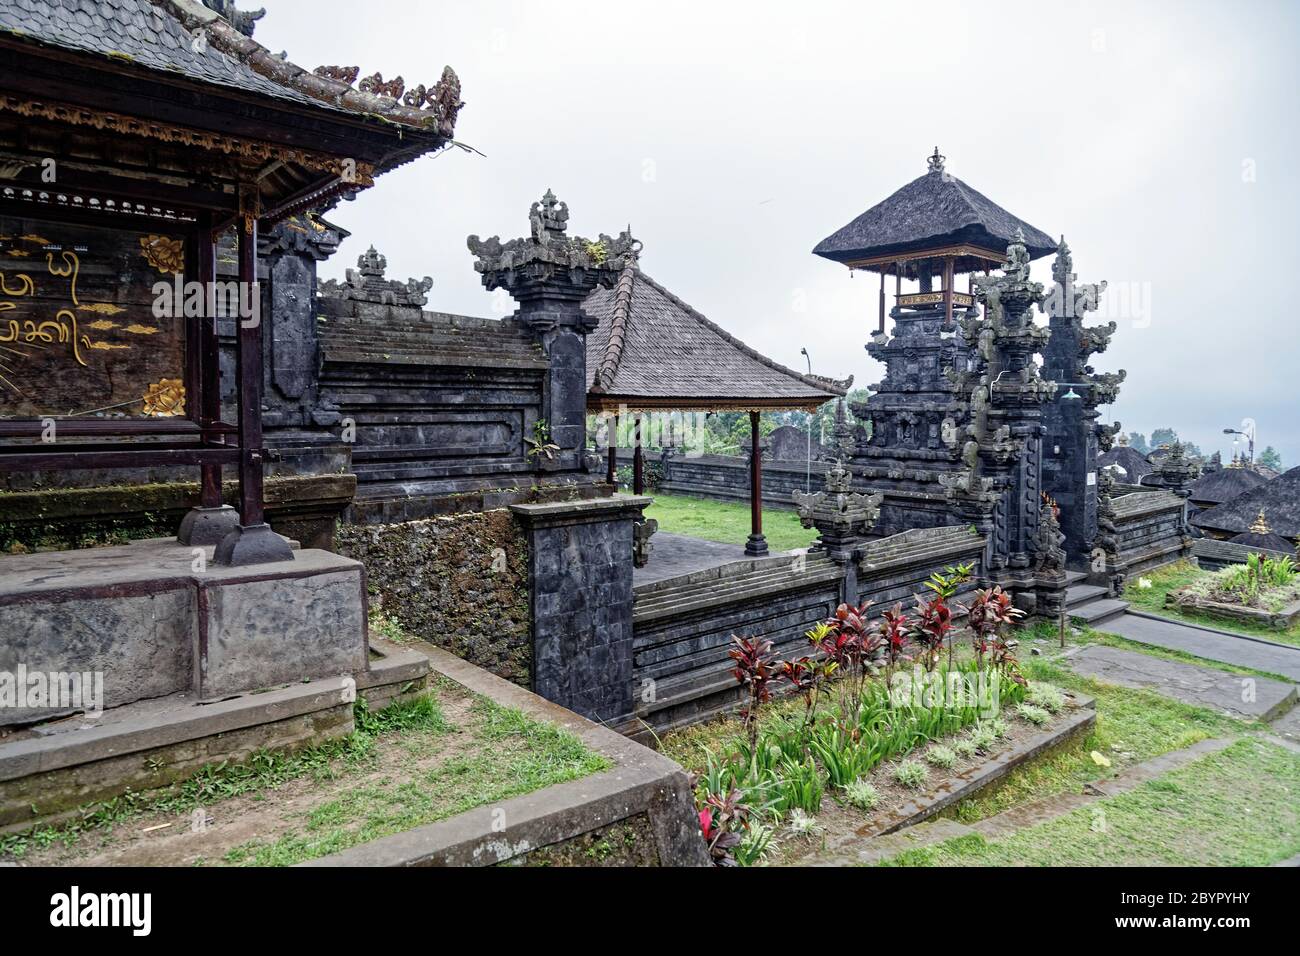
<point x="653" y="351"/>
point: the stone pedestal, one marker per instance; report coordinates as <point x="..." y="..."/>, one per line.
<point x="580" y="599"/>
<point x="156" y="617"/>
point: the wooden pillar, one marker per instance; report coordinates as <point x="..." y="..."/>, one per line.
<point x="947" y="290"/>
<point x="638" y="458"/>
<point x="210" y="521"/>
<point x="756" y="546"/>
<point x="253" y="542"/>
<point x="209" y="351"/>
<point x="611" y="471"/>
<point x="881" y="329"/>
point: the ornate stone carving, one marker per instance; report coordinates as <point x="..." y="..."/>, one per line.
<point x="841" y="516"/>
<point x="376" y="85"/>
<point x="344" y="74"/>
<point x="642" y="531"/>
<point x="366" y="283"/>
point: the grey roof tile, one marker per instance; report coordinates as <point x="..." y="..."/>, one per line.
<point x="651" y="345"/>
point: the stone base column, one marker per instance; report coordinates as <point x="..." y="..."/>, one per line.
<point x="580" y="602"/>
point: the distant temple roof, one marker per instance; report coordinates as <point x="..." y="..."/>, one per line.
<point x="936" y="211"/>
<point x="212" y="43"/>
<point x="1261" y="535"/>
<point x="1133" y="462"/>
<point x="1278" y="498"/>
<point x="653" y="351"/>
<point x="1216" y="487"/>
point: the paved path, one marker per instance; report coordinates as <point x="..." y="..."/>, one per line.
<point x="678" y="554"/>
<point x="1259" y="655"/>
<point x="1256" y="698"/>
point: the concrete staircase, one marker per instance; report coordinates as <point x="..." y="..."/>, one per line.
<point x="1090" y="603"/>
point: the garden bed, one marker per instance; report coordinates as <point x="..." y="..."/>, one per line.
<point x="1263" y="592"/>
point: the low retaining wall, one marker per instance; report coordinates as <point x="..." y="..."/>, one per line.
<point x="682" y="627"/>
<point x="639" y="812"/>
<point x="459" y="582"/>
<point x="1151" y="527"/>
<point x="1213" y="555"/>
<point x="726" y="478"/>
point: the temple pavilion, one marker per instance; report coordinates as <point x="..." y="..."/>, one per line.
<point x="653" y="352"/>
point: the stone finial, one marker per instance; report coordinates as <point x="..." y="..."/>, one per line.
<point x="366" y="283"/>
<point x="1122" y="440"/>
<point x="1063" y="267"/>
<point x="935" y="161"/>
<point x="1261" y="524"/>
<point x="841" y="516"/>
<point x="549" y="263"/>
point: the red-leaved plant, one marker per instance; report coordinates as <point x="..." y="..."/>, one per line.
<point x="931" y="628"/>
<point x="989" y="615"/>
<point x="756" y="668"/>
<point x="723" y="821"/>
<point x="850" y="641"/>
<point x="895" y="629"/>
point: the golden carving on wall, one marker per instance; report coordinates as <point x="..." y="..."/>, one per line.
<point x="164" y="254"/>
<point x="165" y="398"/>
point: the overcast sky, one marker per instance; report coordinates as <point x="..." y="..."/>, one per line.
<point x="1160" y="138"/>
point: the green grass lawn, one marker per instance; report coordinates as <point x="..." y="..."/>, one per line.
<point x="1237" y="807"/>
<point x="727" y="522"/>
<point x="1177" y="575"/>
<point x="1132" y="726"/>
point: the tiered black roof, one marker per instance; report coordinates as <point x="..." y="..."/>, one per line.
<point x="1279" y="499"/>
<point x="934" y="211"/>
<point x="1216" y="487"/>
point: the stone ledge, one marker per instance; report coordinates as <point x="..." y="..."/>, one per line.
<point x="641" y="782"/>
<point x="574" y="512"/>
<point x="129" y="734"/>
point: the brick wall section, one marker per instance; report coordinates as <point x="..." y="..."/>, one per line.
<point x="460" y="582"/>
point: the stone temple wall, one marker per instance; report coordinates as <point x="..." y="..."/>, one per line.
<point x="460" y="582"/>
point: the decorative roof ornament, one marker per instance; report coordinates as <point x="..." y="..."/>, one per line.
<point x="242" y="20"/>
<point x="344" y="74"/>
<point x="1261" y="524"/>
<point x="935" y="161"/>
<point x="366" y="283"/>
<point x="842" y="517"/>
<point x="548" y="244"/>
<point x="375" y="85"/>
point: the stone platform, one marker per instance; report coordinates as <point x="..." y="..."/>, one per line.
<point x="154" y="618"/>
<point x="51" y="771"/>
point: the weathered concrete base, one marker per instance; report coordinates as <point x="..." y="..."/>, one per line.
<point x="156" y="618"/>
<point x="644" y="793"/>
<point x="49" y="772"/>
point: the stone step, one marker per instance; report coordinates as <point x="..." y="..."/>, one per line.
<point x="1082" y="593"/>
<point x="1074" y="577"/>
<point x="1094" y="612"/>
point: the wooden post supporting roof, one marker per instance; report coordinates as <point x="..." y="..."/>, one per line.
<point x="638" y="458"/>
<point x="253" y="542"/>
<point x="756" y="546"/>
<point x="611" y="470"/>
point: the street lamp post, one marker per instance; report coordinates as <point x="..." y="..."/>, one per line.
<point x="1250" y="440"/>
<point x="807" y="478"/>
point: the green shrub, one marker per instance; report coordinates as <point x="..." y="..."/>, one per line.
<point x="941" y="756"/>
<point x="1034" y="714"/>
<point x="983" y="739"/>
<point x="911" y="774"/>
<point x="1047" y="696"/>
<point x="862" y="795"/>
<point x="965" y="748"/>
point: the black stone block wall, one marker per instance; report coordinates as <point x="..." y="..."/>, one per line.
<point x="580" y="592"/>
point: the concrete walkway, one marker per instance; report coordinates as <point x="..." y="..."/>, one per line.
<point x="676" y="554"/>
<point x="1257" y="654"/>
<point x="1253" y="698"/>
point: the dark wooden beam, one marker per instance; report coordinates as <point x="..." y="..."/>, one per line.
<point x="638" y="459"/>
<point x="611" y="471"/>
<point x="756" y="546"/>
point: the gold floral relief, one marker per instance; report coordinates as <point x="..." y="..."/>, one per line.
<point x="164" y="254"/>
<point x="165" y="398"/>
